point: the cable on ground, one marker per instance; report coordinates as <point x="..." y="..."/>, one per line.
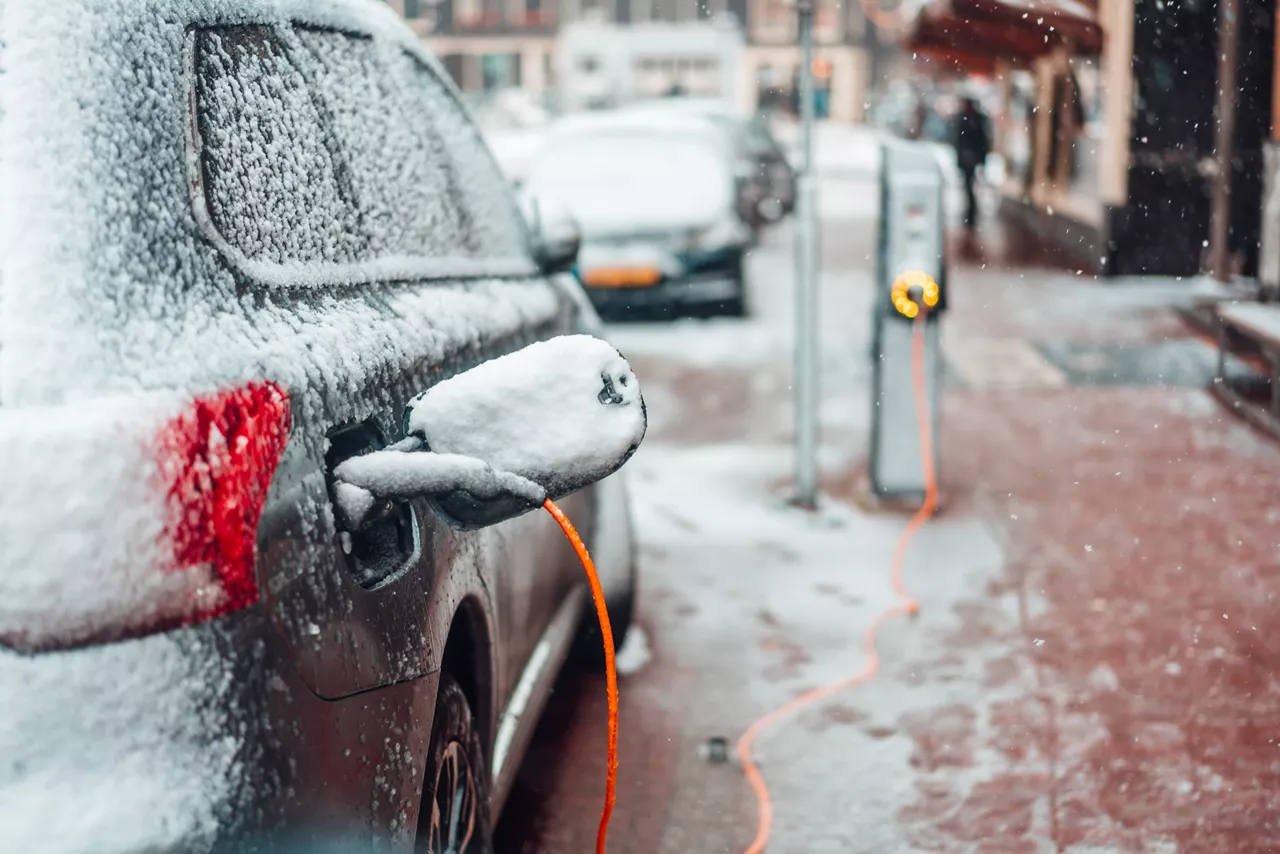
<point x="907" y="605"/>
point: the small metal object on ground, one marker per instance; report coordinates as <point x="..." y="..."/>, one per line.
<point x="716" y="750"/>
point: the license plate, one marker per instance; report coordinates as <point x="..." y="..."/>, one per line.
<point x="622" y="277"/>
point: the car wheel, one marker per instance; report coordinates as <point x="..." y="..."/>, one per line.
<point x="455" y="803"/>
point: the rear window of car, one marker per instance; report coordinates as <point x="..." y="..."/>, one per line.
<point x="327" y="151"/>
<point x="273" y="188"/>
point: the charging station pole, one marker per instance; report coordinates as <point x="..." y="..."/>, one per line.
<point x="911" y="249"/>
<point x="806" y="367"/>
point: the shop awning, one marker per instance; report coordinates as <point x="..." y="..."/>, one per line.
<point x="973" y="34"/>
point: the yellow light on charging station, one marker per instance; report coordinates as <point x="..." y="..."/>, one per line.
<point x="929" y="292"/>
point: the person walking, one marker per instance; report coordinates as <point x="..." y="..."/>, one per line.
<point x="972" y="141"/>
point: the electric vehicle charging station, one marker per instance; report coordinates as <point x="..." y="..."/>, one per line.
<point x="911" y="273"/>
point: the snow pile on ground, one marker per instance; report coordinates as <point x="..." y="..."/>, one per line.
<point x="562" y="413"/>
<point x="634" y="653"/>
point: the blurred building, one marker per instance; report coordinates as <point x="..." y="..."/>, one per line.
<point x="842" y="63"/>
<point x="601" y="63"/>
<point x="1109" y="120"/>
<point x="493" y="44"/>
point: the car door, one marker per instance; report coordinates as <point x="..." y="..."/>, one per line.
<point x="332" y="170"/>
<point x="533" y="568"/>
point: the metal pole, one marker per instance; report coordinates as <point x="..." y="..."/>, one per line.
<point x="1228" y="27"/>
<point x="806" y="379"/>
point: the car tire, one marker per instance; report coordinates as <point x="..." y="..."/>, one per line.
<point x="455" y="801"/>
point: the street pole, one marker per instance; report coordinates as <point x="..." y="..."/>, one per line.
<point x="806" y="366"/>
<point x="1220" y="220"/>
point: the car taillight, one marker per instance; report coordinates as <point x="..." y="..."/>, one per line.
<point x="131" y="515"/>
<point x="217" y="459"/>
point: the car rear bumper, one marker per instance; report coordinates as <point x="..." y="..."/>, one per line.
<point x="682" y="292"/>
<point x="202" y="739"/>
<point x="710" y="281"/>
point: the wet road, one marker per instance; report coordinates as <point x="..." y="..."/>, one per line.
<point x="1092" y="669"/>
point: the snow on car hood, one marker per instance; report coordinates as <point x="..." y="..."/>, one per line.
<point x="627" y="183"/>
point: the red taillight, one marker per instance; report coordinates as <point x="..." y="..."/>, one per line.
<point x="216" y="461"/>
<point x="127" y="515"/>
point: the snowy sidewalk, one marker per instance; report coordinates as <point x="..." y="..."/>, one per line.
<point x="1092" y="667"/>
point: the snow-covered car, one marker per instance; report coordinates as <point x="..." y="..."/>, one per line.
<point x="753" y="139"/>
<point x="666" y="216"/>
<point x="239" y="240"/>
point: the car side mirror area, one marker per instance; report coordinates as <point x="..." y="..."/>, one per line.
<point x="497" y="441"/>
<point x="554" y="233"/>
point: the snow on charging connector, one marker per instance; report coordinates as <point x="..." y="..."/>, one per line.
<point x="498" y="440"/>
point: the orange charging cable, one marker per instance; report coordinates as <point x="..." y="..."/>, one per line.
<point x="611" y="669"/>
<point x="907" y="605"/>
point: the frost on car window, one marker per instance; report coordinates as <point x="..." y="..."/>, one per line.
<point x="406" y="189"/>
<point x="327" y="150"/>
<point x="272" y="187"/>
<point x="496" y="224"/>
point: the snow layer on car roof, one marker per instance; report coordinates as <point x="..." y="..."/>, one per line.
<point x="105" y="281"/>
<point x="635" y="120"/>
<point x="640" y="122"/>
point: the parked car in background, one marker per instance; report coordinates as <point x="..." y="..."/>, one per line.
<point x="239" y="239"/>
<point x="751" y="137"/>
<point x="666" y="216"/>
<point x="514" y="125"/>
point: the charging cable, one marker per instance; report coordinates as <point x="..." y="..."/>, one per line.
<point x="907" y="606"/>
<point x="611" y="669"/>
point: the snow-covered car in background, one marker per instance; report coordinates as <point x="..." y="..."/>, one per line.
<point x="239" y="239"/>
<point x="752" y="138"/>
<point x="666" y="215"/>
